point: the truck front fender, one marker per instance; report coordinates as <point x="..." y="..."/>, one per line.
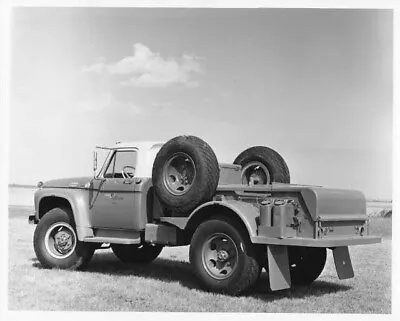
<point x="78" y="200"/>
<point x="245" y="212"/>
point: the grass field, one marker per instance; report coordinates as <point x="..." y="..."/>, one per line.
<point x="168" y="283"/>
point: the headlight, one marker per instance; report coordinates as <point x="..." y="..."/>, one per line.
<point x="39" y="184"/>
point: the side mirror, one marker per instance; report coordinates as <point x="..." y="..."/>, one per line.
<point x="94" y="163"/>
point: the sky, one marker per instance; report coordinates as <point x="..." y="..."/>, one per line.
<point x="313" y="84"/>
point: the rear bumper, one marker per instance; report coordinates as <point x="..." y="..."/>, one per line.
<point x="327" y="242"/>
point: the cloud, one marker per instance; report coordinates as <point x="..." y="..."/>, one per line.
<point x="148" y="69"/>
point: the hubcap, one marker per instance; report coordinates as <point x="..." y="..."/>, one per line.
<point x="220" y="256"/>
<point x="179" y="174"/>
<point x="60" y="240"/>
<point x="255" y="173"/>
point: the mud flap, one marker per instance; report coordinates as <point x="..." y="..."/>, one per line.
<point x="278" y="267"/>
<point x="343" y="265"/>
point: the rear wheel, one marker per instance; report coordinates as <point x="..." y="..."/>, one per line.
<point x="306" y="264"/>
<point x="132" y="253"/>
<point x="56" y="244"/>
<point x="223" y="257"/>
<point x="262" y="165"/>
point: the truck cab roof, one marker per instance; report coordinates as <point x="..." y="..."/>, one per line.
<point x="142" y="145"/>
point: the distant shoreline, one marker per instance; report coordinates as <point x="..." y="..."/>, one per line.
<point x="378" y="201"/>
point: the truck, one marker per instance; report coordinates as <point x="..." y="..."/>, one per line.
<point x="237" y="218"/>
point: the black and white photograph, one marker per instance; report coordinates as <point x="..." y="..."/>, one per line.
<point x="199" y="159"/>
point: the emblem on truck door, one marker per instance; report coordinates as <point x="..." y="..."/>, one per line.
<point x="114" y="196"/>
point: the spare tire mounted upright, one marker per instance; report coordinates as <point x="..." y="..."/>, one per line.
<point x="261" y="166"/>
<point x="185" y="174"/>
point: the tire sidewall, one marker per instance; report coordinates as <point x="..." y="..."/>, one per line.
<point x="78" y="258"/>
<point x="202" y="234"/>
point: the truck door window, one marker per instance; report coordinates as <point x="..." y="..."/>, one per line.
<point x="121" y="160"/>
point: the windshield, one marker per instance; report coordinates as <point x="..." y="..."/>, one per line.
<point x="123" y="163"/>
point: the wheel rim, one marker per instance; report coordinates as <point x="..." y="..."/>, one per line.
<point x="60" y="240"/>
<point x="255" y="173"/>
<point x="220" y="256"/>
<point x="179" y="174"/>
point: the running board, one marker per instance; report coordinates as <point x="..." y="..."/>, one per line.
<point x="115" y="240"/>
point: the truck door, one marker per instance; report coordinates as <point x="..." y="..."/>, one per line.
<point x="112" y="197"/>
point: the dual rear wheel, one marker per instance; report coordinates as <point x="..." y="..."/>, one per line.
<point x="222" y="256"/>
<point x="306" y="264"/>
<point x="224" y="260"/>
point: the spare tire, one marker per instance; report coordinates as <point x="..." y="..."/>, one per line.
<point x="185" y="174"/>
<point x="262" y="165"/>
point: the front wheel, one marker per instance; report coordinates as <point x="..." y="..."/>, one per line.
<point x="56" y="244"/>
<point x="223" y="257"/>
<point x="132" y="253"/>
